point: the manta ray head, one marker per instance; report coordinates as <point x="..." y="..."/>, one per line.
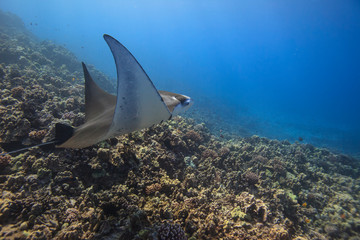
<point x="184" y="104"/>
<point x="176" y="103"/>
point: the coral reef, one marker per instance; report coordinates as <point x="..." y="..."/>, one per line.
<point x="37" y="135"/>
<point x="175" y="180"/>
<point x="252" y="178"/>
<point x="169" y="231"/>
<point x="153" y="188"/>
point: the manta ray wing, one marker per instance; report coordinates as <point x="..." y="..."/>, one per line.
<point x="99" y="112"/>
<point x="96" y="99"/>
<point x="138" y="104"/>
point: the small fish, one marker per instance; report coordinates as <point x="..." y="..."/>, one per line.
<point x="304" y="204"/>
<point x="300" y="139"/>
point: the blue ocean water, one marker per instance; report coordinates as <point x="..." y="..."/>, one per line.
<point x="279" y="69"/>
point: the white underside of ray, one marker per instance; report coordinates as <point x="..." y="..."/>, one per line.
<point x="138" y="103"/>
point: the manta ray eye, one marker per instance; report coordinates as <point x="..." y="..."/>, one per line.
<point x="186" y="102"/>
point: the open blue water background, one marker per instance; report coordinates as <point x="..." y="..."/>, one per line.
<point x="279" y="69"/>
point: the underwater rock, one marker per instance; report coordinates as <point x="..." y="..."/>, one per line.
<point x="251" y="177"/>
<point x="194" y="136"/>
<point x="37" y="135"/>
<point x="209" y="153"/>
<point x="153" y="188"/>
<point x="278" y="232"/>
<point x="224" y="152"/>
<point x="4" y="161"/>
<point x="17" y="92"/>
<point x="72" y="215"/>
<point x="255" y="207"/>
<point x="73" y="231"/>
<point x="332" y="230"/>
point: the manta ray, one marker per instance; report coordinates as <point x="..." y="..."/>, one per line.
<point x="136" y="105"/>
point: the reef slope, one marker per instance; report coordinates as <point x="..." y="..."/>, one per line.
<point x="173" y="181"/>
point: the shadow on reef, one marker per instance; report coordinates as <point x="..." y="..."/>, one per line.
<point x="173" y="181"/>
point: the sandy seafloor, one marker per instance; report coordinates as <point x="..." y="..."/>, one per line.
<point x="173" y="181"/>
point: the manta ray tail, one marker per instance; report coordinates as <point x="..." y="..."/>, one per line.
<point x="13" y="145"/>
<point x="62" y="133"/>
